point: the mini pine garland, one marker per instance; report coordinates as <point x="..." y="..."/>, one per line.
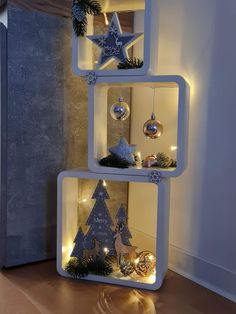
<point x="113" y="161"/>
<point x="80" y="9"/>
<point x="81" y="268"/>
<point x="132" y="63"/>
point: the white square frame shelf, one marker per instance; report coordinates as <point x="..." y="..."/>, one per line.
<point x="97" y="130"/>
<point x="162" y="226"/>
<point x="82" y="63"/>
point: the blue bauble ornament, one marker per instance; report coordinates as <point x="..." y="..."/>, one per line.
<point x="120" y="110"/>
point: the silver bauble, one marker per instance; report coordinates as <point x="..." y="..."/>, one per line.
<point x="152" y="128"/>
<point x="120" y="110"/>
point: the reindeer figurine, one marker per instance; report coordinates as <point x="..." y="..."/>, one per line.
<point x="122" y="249"/>
<point x="93" y="252"/>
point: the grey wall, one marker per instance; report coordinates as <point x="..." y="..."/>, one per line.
<point x="42" y="93"/>
<point x="35" y="141"/>
<point x="3" y="104"/>
<point x="47" y="130"/>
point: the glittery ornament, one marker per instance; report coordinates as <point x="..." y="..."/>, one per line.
<point x="115" y="44"/>
<point x="145" y="263"/>
<point x="149" y="161"/>
<point x="124" y="151"/>
<point x="126" y="267"/>
<point x="152" y="128"/>
<point x="163" y="161"/>
<point x="120" y="110"/>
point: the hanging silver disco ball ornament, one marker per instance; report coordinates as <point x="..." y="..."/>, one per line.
<point x="120" y="110"/>
<point x="152" y="128"/>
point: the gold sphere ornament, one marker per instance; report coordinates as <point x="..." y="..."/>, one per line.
<point x="152" y="128"/>
<point x="120" y="110"/>
<point x="145" y="263"/>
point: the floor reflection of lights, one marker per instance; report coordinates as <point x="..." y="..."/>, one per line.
<point x="120" y="301"/>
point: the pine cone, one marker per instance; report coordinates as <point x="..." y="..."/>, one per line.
<point x="126" y="268"/>
<point x="163" y="161"/>
<point x="173" y="163"/>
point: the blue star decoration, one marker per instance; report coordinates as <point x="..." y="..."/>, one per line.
<point x="124" y="151"/>
<point x="115" y="44"/>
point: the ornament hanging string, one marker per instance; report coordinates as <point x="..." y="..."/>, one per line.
<point x="153" y="128"/>
<point x="153" y="99"/>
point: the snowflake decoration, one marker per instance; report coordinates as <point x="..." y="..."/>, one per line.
<point x="102" y="41"/>
<point x="91" y="78"/>
<point x="113" y="30"/>
<point x="155" y="177"/>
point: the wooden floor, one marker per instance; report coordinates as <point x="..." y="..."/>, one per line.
<point x="38" y="289"/>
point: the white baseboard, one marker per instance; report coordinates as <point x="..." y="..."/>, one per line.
<point x="206" y="274"/>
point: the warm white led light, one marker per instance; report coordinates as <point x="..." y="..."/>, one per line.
<point x="151" y="257"/>
<point x="106" y="250"/>
<point x="63" y="249"/>
<point x="173" y="148"/>
<point x="105" y="18"/>
<point x="104" y="183"/>
<point x="84" y="200"/>
<point x="152" y="278"/>
<point x="70" y="248"/>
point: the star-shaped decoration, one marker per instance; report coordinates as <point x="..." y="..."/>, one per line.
<point x="115" y="44"/>
<point x="124" y="151"/>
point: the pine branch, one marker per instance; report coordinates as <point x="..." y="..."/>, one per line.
<point x="79" y="10"/>
<point x="80" y="28"/>
<point x="91" y="7"/>
<point x="81" y="268"/>
<point x="132" y="63"/>
<point x="113" y="161"/>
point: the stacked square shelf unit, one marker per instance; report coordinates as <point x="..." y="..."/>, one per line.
<point x="84" y="57"/>
<point x="97" y="136"/>
<point x="144" y="193"/>
<point x="75" y="189"/>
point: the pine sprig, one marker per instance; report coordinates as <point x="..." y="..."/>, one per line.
<point x="91" y="7"/>
<point x="80" y="28"/>
<point x="81" y="268"/>
<point x="113" y="161"/>
<point x="76" y="268"/>
<point x="79" y="10"/>
<point x="132" y="63"/>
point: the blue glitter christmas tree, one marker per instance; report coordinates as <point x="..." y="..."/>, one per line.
<point x="79" y="244"/>
<point x="100" y="222"/>
<point x="122" y="223"/>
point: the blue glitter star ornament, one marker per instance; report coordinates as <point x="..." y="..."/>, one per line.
<point x="115" y="44"/>
<point x="124" y="151"/>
